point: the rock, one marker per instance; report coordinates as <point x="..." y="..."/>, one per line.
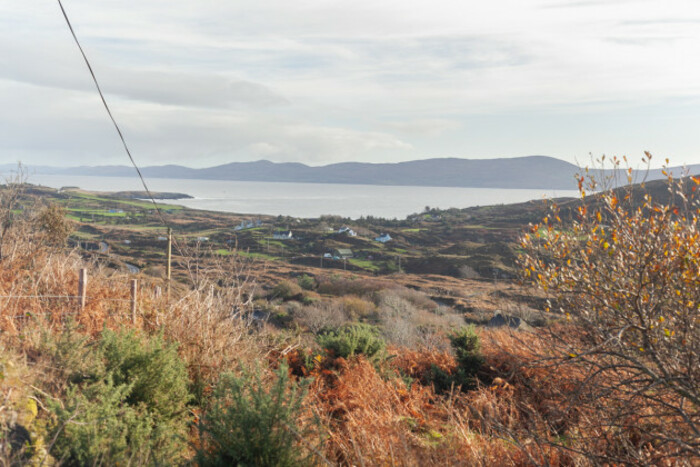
<point x="499" y="320"/>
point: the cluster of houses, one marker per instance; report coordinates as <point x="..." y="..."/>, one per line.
<point x="383" y="238"/>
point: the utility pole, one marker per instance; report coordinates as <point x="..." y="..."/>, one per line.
<point x="170" y="257"/>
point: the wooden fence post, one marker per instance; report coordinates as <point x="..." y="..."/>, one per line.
<point x="168" y="270"/>
<point x="134" y="291"/>
<point x="82" y="288"/>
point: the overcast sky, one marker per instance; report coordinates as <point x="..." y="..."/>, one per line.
<point x="207" y="82"/>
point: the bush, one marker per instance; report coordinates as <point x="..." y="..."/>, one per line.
<point x="125" y="403"/>
<point x="95" y="425"/>
<point x="306" y="282"/>
<point x="54" y="224"/>
<point x="249" y="424"/>
<point x="153" y="368"/>
<point x="321" y="316"/>
<point x="467" y="349"/>
<point x="286" y="291"/>
<point x="354" y="339"/>
<point x="358" y="308"/>
<point x="622" y="266"/>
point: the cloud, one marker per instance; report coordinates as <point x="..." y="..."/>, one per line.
<point x="314" y="81"/>
<point x="427" y="127"/>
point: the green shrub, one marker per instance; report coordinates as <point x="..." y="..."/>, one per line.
<point x="125" y="402"/>
<point x="467" y="348"/>
<point x="158" y="375"/>
<point x="354" y="339"/>
<point x="95" y="426"/>
<point x="249" y="424"/>
<point x="465" y="344"/>
<point x="306" y="282"/>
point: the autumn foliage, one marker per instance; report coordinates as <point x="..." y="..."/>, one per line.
<point x="624" y="269"/>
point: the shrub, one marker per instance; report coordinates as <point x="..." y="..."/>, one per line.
<point x="249" y="424"/>
<point x="125" y="402"/>
<point x="623" y="267"/>
<point x="467" y="349"/>
<point x="306" y="282"/>
<point x="54" y="224"/>
<point x="286" y="290"/>
<point x="320" y="316"/>
<point x="354" y="339"/>
<point x="465" y="344"/>
<point x="95" y="426"/>
<point x="153" y="368"/>
<point x="357" y="308"/>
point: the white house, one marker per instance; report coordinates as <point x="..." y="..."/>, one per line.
<point x="248" y="224"/>
<point x="347" y="231"/>
<point x="383" y="238"/>
<point x="286" y="235"/>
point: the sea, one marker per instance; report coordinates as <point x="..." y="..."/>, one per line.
<point x="306" y="200"/>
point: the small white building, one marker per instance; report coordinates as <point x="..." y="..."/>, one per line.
<point x="383" y="238"/>
<point x="347" y="231"/>
<point x="285" y="235"/>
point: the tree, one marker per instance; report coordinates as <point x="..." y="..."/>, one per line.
<point x="624" y="270"/>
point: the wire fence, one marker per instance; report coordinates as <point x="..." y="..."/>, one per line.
<point x="76" y="303"/>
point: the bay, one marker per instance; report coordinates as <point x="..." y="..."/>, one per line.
<point x="306" y="199"/>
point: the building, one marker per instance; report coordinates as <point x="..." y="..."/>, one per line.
<point x="342" y="253"/>
<point x="383" y="238"/>
<point x="347" y="231"/>
<point x="286" y="235"/>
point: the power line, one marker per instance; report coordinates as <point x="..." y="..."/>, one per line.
<point x="114" y="122"/>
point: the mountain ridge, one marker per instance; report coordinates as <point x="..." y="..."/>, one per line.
<point x="526" y="172"/>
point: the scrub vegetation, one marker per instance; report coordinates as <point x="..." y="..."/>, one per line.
<point x="252" y="361"/>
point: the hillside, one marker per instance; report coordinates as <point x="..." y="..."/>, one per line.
<point x="262" y="348"/>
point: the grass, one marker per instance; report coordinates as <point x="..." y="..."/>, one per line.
<point x="139" y="204"/>
<point x="364" y="264"/>
<point x="249" y="254"/>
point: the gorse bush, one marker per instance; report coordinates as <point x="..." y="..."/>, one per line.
<point x="354" y="339"/>
<point x="251" y="423"/>
<point x="125" y="402"/>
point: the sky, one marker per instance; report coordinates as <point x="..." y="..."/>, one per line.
<point x="207" y="82"/>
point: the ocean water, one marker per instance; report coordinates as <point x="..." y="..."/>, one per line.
<point x="306" y="199"/>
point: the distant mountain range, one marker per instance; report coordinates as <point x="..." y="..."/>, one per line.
<point x="538" y="172"/>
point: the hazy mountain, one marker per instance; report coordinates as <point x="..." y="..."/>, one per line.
<point x="539" y="172"/>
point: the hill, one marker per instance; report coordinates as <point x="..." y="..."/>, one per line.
<point x="518" y="172"/>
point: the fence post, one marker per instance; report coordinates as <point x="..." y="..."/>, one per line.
<point x="82" y="288"/>
<point x="168" y="270"/>
<point x="134" y="291"/>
